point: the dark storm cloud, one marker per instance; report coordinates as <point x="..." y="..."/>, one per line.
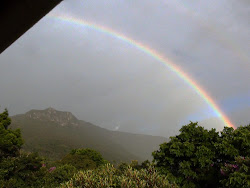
<point x="114" y="85"/>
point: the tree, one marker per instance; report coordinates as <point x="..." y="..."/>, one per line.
<point x="83" y="159"/>
<point x="4" y="119"/>
<point x="10" y="140"/>
<point x="16" y="169"/>
<point x="195" y="157"/>
<point x="21" y="171"/>
<point x="58" y="175"/>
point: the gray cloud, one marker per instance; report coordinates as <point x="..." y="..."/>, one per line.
<point x="113" y="84"/>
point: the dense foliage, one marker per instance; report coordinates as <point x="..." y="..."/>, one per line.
<point x="20" y="169"/>
<point x="197" y="157"/>
<point x="236" y="174"/>
<point x="107" y="176"/>
<point x="10" y="140"/>
<point x="54" y="176"/>
<point x="83" y="159"/>
<point x="16" y="169"/>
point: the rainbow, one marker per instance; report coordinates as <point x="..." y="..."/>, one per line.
<point x="149" y="51"/>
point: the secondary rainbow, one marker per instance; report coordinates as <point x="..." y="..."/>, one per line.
<point x="155" y="55"/>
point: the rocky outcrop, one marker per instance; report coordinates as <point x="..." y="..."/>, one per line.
<point x="50" y="114"/>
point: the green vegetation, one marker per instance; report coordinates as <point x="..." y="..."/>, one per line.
<point x="237" y="174"/>
<point x="17" y="169"/>
<point x="10" y="140"/>
<point x="83" y="159"/>
<point x="107" y="176"/>
<point x="201" y="158"/>
<point x="195" y="158"/>
<point x="54" y="176"/>
<point x="52" y="135"/>
<point x="20" y="169"/>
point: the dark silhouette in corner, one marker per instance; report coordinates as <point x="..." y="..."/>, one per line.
<point x="18" y="16"/>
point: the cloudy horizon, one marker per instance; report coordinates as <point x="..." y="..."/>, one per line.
<point x="112" y="84"/>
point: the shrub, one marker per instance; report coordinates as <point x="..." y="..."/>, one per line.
<point x="107" y="176"/>
<point x="237" y="174"/>
<point x="194" y="158"/>
<point x="83" y="159"/>
<point x="22" y="171"/>
<point x="57" y="175"/>
<point x="91" y="154"/>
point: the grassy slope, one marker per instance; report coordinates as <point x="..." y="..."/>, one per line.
<point x="53" y="140"/>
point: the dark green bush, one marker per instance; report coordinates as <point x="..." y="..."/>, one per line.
<point x="56" y="175"/>
<point x="195" y="157"/>
<point x="10" y="140"/>
<point x="236" y="174"/>
<point x="91" y="154"/>
<point x="21" y="171"/>
<point x="83" y="159"/>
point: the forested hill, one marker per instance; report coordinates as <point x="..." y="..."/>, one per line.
<point x="54" y="133"/>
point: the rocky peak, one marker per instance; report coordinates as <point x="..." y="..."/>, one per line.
<point x="50" y="114"/>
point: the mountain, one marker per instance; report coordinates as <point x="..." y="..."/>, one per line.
<point x="54" y="133"/>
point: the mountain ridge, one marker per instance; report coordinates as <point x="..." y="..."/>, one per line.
<point x="61" y="117"/>
<point x="53" y="133"/>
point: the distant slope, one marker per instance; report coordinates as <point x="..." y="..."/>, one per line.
<point x="54" y="133"/>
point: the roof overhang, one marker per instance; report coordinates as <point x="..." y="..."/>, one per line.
<point x="18" y="16"/>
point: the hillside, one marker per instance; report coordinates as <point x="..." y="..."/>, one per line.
<point x="54" y="133"/>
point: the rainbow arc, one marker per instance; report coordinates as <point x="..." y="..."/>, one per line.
<point x="154" y="54"/>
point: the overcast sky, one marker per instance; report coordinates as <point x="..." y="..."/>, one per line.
<point x="105" y="81"/>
